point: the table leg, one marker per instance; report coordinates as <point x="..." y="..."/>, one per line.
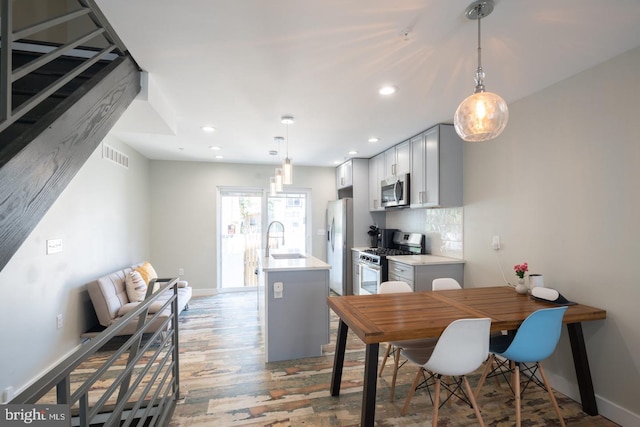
<point x="338" y="358"/>
<point x="370" y="385"/>
<point x="583" y="374"/>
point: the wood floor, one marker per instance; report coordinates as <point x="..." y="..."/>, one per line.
<point x="225" y="382"/>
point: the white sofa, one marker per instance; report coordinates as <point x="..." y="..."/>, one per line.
<point x="109" y="298"/>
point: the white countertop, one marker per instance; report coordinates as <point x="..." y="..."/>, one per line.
<point x="425" y="259"/>
<point x="308" y="263"/>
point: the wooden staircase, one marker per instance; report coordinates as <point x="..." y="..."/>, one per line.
<point x="41" y="151"/>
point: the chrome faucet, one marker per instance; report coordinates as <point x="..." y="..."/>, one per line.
<point x="266" y="251"/>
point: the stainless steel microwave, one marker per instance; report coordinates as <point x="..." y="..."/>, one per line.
<point x="394" y="191"/>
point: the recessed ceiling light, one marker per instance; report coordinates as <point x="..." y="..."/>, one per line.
<point x="374" y="139"/>
<point x="219" y="157"/>
<point x="336" y="162"/>
<point x="208" y="128"/>
<point x="214" y="147"/>
<point x="387" y="90"/>
<point x="352" y="152"/>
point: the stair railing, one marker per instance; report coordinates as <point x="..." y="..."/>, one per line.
<point x="148" y="386"/>
<point x="10" y="38"/>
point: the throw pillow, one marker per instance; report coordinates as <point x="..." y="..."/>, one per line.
<point x="147" y="272"/>
<point x="135" y="286"/>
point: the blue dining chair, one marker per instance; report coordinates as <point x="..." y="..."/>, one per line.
<point x="535" y="340"/>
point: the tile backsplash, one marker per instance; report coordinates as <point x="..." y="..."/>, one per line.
<point x="441" y="227"/>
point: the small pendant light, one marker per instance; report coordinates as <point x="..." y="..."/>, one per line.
<point x="279" y="180"/>
<point x="287" y="167"/>
<point x="483" y="115"/>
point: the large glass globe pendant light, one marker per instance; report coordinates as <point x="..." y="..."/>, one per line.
<point x="483" y="115"/>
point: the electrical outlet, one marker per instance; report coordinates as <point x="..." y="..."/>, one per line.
<point x="59" y="321"/>
<point x="278" y="288"/>
<point x="7" y="394"/>
<point x="180" y="271"/>
<point x="495" y="243"/>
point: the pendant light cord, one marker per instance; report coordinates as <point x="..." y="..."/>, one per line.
<point x="479" y="72"/>
<point x="479" y="44"/>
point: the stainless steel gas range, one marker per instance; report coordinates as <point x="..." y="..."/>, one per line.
<point x="373" y="263"/>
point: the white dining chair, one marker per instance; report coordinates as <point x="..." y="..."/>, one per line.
<point x="389" y="287"/>
<point x="445" y="283"/>
<point x="460" y="350"/>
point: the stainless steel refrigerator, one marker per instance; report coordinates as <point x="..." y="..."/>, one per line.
<point x="339" y="243"/>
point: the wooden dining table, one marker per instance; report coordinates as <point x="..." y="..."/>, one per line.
<point x="406" y="316"/>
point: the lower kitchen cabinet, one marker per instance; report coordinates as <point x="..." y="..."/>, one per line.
<point x="355" y="271"/>
<point x="420" y="275"/>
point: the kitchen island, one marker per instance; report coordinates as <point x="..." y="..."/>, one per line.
<point x="420" y="270"/>
<point x="293" y="306"/>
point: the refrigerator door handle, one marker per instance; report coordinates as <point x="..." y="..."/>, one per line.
<point x="332" y="235"/>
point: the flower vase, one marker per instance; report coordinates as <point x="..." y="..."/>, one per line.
<point x="521" y="288"/>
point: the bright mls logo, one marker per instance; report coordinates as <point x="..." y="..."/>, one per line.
<point x="35" y="415"/>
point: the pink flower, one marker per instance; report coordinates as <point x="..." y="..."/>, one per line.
<point x="520" y="269"/>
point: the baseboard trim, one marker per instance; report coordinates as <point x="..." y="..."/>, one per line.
<point x="606" y="408"/>
<point x="205" y="292"/>
<point x="22" y="388"/>
<point x="213" y="291"/>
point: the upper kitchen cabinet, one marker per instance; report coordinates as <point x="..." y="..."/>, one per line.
<point x="376" y="174"/>
<point x="344" y="175"/>
<point x="436" y="168"/>
<point x="397" y="160"/>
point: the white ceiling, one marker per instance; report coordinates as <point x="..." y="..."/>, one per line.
<point x="240" y="65"/>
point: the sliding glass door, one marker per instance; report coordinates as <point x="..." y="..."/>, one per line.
<point x="239" y="231"/>
<point x="244" y="215"/>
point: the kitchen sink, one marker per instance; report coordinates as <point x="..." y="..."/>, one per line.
<point x="292" y="255"/>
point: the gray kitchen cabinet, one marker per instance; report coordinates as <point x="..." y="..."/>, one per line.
<point x="402" y="272"/>
<point x="376" y="174"/>
<point x="292" y="302"/>
<point x="355" y="270"/>
<point x="420" y="277"/>
<point x="436" y="168"/>
<point x="344" y="175"/>
<point x="397" y="159"/>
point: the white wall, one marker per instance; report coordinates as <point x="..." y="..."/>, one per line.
<point x="184" y="212"/>
<point x="560" y="186"/>
<point x="101" y="218"/>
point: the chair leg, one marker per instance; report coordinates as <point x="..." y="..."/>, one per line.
<point x="487" y="368"/>
<point x="551" y="396"/>
<point x="474" y="403"/>
<point x="396" y="362"/>
<point x="436" y="403"/>
<point x="516" y="392"/>
<point x="412" y="390"/>
<point x="384" y="359"/>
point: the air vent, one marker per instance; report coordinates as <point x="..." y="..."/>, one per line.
<point x="115" y="156"/>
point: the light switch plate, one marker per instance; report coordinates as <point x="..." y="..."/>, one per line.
<point x="54" y="246"/>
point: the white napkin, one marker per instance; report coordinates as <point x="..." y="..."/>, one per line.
<point x="550" y="295"/>
<point x="545" y="293"/>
